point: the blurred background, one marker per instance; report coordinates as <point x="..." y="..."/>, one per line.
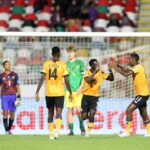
<point x="75" y="15"/>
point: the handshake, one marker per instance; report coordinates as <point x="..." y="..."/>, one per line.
<point x="18" y="101"/>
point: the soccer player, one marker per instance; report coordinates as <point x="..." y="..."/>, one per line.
<point x="10" y="95"/>
<point x="141" y="91"/>
<point x="76" y="69"/>
<point x="54" y="71"/>
<point x="91" y="84"/>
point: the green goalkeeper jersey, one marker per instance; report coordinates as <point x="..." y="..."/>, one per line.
<point x="75" y="69"/>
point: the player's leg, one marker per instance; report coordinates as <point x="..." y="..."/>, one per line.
<point x="50" y="106"/>
<point x="146" y="120"/>
<point x="84" y="108"/>
<point x="70" y="120"/>
<point x="59" y="102"/>
<point x="93" y="107"/>
<point x="4" y="104"/>
<point x="77" y="103"/>
<point x="130" y="109"/>
<point x="69" y="106"/>
<point x="12" y="108"/>
<point x="144" y="114"/>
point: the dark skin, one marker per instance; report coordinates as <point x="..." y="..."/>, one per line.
<point x="37" y="98"/>
<point x="94" y="69"/>
<point x="127" y="72"/>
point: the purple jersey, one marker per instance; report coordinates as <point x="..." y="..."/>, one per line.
<point x="8" y="83"/>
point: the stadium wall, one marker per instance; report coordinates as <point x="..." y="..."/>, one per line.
<point x="31" y="118"/>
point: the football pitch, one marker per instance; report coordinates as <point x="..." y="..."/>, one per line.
<point x="109" y="142"/>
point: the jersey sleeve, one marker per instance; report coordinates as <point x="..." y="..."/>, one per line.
<point x="0" y="79"/>
<point x="104" y="75"/>
<point x="44" y="69"/>
<point x="16" y="80"/>
<point x="136" y="69"/>
<point x="65" y="70"/>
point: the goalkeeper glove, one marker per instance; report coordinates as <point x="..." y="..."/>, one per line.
<point x="18" y="101"/>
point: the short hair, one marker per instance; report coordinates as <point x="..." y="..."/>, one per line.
<point x="71" y="48"/>
<point x="4" y="62"/>
<point x="135" y="56"/>
<point x="91" y="62"/>
<point x="55" y="50"/>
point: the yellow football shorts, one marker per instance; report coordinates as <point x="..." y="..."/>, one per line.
<point x="76" y="101"/>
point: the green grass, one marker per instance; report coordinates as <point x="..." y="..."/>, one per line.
<point x="109" y="142"/>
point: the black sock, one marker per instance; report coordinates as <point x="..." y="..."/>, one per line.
<point x="5" y="122"/>
<point x="10" y="123"/>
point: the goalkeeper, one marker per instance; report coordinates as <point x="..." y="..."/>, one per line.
<point x="10" y="95"/>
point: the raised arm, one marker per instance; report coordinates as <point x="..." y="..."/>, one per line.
<point x="123" y="71"/>
<point x="111" y="75"/>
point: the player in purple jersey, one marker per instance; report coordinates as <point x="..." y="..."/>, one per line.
<point x="10" y="95"/>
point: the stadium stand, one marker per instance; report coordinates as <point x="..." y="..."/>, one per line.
<point x="144" y="16"/>
<point x="69" y="15"/>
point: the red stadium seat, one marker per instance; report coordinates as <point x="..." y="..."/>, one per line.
<point x="3" y="23"/>
<point x="117" y="2"/>
<point x="30" y="17"/>
<point x="5" y="9"/>
<point x="103" y="2"/>
<point x="43" y="23"/>
<point x="19" y="2"/>
<point x="86" y="22"/>
<point x="17" y="16"/>
<point x="102" y="16"/>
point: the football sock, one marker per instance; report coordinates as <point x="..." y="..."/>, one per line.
<point x="5" y="122"/>
<point x="71" y="127"/>
<point x="128" y="126"/>
<point x="90" y="126"/>
<point x="10" y="123"/>
<point x="147" y="126"/>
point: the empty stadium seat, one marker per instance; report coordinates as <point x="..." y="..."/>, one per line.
<point x="27" y="29"/>
<point x="4" y="16"/>
<point x="3" y="29"/>
<point x="15" y="23"/>
<point x="86" y="28"/>
<point x="42" y="29"/>
<point x="113" y="29"/>
<point x="127" y="29"/>
<point x="100" y="23"/>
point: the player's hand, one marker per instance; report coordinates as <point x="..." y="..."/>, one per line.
<point x="109" y="67"/>
<point x="78" y="91"/>
<point x="70" y="97"/>
<point x="37" y="97"/>
<point x="18" y="101"/>
<point x="112" y="64"/>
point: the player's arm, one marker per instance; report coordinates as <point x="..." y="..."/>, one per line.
<point x="68" y="86"/>
<point x="18" y="91"/>
<point x="123" y="71"/>
<point x="111" y="75"/>
<point x="79" y="90"/>
<point x="37" y="97"/>
<point x="89" y="79"/>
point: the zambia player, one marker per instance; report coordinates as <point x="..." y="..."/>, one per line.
<point x="91" y="84"/>
<point x="10" y="95"/>
<point x="76" y="70"/>
<point x="141" y="91"/>
<point x="54" y="71"/>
